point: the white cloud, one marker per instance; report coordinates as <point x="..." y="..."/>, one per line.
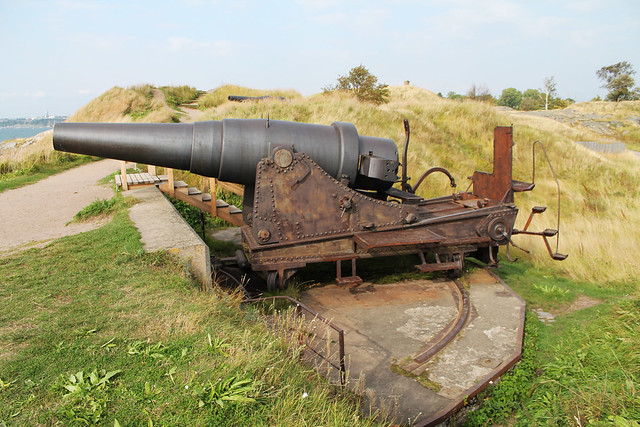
<point x="36" y="94"/>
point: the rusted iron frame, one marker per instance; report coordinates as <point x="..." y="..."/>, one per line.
<point x="533" y="181"/>
<point x="299" y="307"/>
<point x="458" y="216"/>
<point x="515" y="357"/>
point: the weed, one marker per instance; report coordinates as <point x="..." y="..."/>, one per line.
<point x="86" y="397"/>
<point x="553" y="289"/>
<point x="100" y="207"/>
<point x="224" y="391"/>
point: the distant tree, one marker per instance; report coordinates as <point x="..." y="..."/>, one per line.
<point x="532" y="99"/>
<point x="618" y="81"/>
<point x="511" y="97"/>
<point x="549" y="90"/>
<point x="455" y="96"/>
<point x="479" y="93"/>
<point x="363" y="85"/>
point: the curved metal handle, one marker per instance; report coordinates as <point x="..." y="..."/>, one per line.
<point x="533" y="181"/>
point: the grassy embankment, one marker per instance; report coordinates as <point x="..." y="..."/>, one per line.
<point x="573" y="373"/>
<point x="151" y="347"/>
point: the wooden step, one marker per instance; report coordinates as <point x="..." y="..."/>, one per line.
<point x="234" y="210"/>
<point x="221" y="204"/>
<point x="193" y="191"/>
<point x="206" y="197"/>
<point x="180" y="184"/>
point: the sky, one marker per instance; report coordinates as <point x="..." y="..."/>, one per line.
<point x="57" y="55"/>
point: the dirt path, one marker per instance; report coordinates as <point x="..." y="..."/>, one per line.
<point x="39" y="212"/>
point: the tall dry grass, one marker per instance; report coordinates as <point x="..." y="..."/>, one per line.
<point x="118" y="105"/>
<point x="600" y="223"/>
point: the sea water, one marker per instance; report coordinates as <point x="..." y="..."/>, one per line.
<point x="11" y="132"/>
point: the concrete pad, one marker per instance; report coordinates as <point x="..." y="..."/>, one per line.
<point x="162" y="228"/>
<point x="386" y="324"/>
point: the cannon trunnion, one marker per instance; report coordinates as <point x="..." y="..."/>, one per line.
<point x="317" y="193"/>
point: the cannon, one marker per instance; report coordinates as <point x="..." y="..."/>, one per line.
<point x="323" y="193"/>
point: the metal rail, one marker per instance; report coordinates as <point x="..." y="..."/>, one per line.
<point x="300" y="307"/>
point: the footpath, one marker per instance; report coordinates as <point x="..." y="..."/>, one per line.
<point x="38" y="213"/>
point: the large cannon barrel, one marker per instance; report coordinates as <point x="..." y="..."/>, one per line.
<point x="231" y="148"/>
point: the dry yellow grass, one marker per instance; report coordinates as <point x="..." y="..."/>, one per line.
<point x="119" y="105"/>
<point x="28" y="152"/>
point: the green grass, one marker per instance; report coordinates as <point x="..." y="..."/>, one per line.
<point x="29" y="175"/>
<point x="100" y="207"/>
<point x="151" y="347"/>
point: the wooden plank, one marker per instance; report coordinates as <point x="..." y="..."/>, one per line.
<point x="234" y="209"/>
<point x="172" y="189"/>
<point x="221" y="204"/>
<point x="193" y="191"/>
<point x="229" y="186"/>
<point x="151" y="169"/>
<point x="212" y="190"/>
<point x="206" y="197"/>
<point x="123" y="173"/>
<point x="146" y="178"/>
<point x="204" y="206"/>
<point x="118" y="180"/>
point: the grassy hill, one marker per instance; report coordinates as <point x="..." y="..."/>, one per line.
<point x="583" y="366"/>
<point x="599" y="192"/>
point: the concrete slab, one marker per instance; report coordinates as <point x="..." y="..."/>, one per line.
<point x="162" y="228"/>
<point x="387" y="324"/>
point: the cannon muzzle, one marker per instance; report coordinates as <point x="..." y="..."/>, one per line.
<point x="230" y="149"/>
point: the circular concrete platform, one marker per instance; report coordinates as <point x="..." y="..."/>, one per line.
<point x="387" y="326"/>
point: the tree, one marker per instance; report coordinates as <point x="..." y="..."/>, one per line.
<point x="549" y="90"/>
<point x="479" y="93"/>
<point x="511" y="97"/>
<point x="618" y="81"/>
<point x="363" y="85"/>
<point x="532" y="99"/>
<point x="455" y="96"/>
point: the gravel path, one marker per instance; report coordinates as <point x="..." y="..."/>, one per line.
<point x="39" y="212"/>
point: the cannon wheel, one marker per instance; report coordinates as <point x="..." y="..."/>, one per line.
<point x="274" y="280"/>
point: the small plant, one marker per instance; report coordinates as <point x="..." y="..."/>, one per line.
<point x="218" y="344"/>
<point x="86" y="396"/>
<point x="230" y="389"/>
